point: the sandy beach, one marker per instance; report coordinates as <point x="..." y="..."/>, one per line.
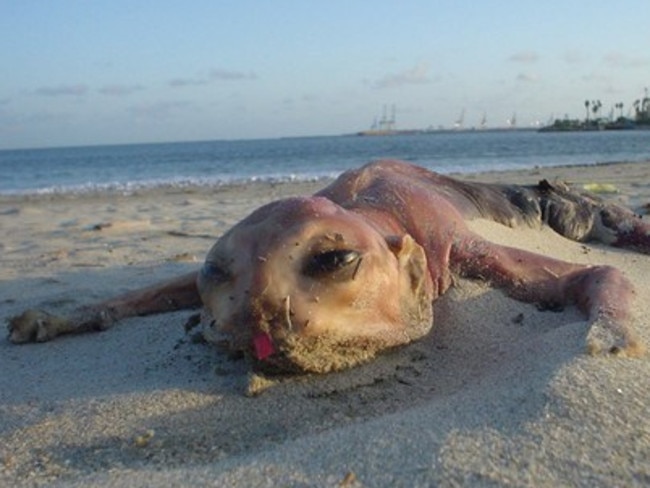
<point x="499" y="394"/>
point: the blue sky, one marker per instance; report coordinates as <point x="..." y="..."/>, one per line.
<point x="107" y="72"/>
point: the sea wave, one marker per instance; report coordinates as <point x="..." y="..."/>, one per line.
<point x="130" y="187"/>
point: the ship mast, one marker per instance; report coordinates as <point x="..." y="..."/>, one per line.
<point x="512" y="121"/>
<point x="459" y="122"/>
<point x="391" y="122"/>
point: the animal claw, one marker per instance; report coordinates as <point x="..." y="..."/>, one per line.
<point x="35" y="326"/>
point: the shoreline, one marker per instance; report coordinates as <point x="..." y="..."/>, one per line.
<point x="499" y="393"/>
<point x="311" y="185"/>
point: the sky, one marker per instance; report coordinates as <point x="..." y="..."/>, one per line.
<point x="112" y="72"/>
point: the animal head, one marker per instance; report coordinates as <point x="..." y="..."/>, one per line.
<point x="303" y="285"/>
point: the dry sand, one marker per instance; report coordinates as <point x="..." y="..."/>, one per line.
<point x="499" y="394"/>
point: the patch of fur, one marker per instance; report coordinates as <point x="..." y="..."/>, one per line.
<point x="325" y="354"/>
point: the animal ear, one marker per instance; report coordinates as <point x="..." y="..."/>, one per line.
<point x="416" y="288"/>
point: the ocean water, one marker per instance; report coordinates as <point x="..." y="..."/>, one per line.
<point x="130" y="167"/>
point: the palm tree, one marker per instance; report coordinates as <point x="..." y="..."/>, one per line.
<point x="595" y="107"/>
<point x="587" y="109"/>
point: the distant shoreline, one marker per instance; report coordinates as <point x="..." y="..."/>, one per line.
<point x="363" y="133"/>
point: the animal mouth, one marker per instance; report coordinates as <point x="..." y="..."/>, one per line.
<point x="275" y="345"/>
<point x="297" y="354"/>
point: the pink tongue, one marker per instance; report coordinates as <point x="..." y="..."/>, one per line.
<point x="263" y="345"/>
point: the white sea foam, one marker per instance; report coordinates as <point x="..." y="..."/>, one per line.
<point x="128" y="187"/>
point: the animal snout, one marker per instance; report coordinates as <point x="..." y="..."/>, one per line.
<point x="258" y="326"/>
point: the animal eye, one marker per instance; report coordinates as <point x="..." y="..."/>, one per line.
<point x="215" y="273"/>
<point x="329" y="262"/>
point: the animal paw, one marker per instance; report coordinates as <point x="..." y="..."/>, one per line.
<point x="607" y="337"/>
<point x="35" y="326"/>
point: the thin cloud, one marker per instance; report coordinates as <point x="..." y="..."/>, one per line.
<point x="418" y="75"/>
<point x="63" y="91"/>
<point x="216" y="75"/>
<point x="612" y="90"/>
<point x="597" y="77"/>
<point x="226" y="75"/>
<point x="527" y="77"/>
<point x="120" y="90"/>
<point x="573" y="57"/>
<point x="524" y="57"/>
<point x="309" y="97"/>
<point x="185" y="82"/>
<point x="617" y="59"/>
